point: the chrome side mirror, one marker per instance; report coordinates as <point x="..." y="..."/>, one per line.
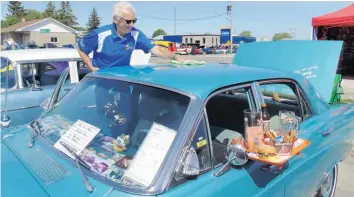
<point x="235" y="155"/>
<point x="191" y="163"/>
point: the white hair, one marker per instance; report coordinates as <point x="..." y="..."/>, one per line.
<point x="119" y="7"/>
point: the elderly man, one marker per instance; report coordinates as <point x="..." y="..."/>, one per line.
<point x="113" y="44"/>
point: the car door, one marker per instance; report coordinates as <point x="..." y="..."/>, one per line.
<point x="306" y="170"/>
<point x="251" y="179"/>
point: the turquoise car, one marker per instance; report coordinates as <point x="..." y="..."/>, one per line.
<point x="166" y="130"/>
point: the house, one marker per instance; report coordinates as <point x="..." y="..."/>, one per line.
<point x="41" y="31"/>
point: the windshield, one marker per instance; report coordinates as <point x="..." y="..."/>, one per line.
<point x="132" y="121"/>
<point x="11" y="74"/>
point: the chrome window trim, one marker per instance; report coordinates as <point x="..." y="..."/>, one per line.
<point x="299" y="93"/>
<point x="21" y="108"/>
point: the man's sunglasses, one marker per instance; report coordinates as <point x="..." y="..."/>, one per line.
<point x="128" y="21"/>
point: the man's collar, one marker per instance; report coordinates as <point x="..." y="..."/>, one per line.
<point x="115" y="34"/>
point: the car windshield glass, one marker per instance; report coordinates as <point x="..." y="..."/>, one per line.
<point x="11" y="73"/>
<point x="131" y="121"/>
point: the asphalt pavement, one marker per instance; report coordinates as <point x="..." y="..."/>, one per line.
<point x="345" y="186"/>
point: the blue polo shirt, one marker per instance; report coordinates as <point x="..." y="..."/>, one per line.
<point x="109" y="49"/>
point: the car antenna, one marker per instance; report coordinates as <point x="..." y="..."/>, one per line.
<point x="5" y="119"/>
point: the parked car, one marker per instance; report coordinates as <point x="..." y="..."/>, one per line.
<point x="31" y="78"/>
<point x="208" y="50"/>
<point x="196" y="51"/>
<point x="222" y="51"/>
<point x="167" y="131"/>
<point x="182" y="51"/>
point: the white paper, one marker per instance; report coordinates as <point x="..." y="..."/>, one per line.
<point x="151" y="154"/>
<point x="77" y="137"/>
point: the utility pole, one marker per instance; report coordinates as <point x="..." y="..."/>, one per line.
<point x="229" y="12"/>
<point x="175" y="18"/>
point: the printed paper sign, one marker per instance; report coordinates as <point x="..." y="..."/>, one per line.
<point x="77" y="137"/>
<point x="150" y="155"/>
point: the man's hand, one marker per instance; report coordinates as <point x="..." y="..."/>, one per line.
<point x="93" y="69"/>
<point x="179" y="58"/>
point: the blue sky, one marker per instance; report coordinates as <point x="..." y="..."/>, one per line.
<point x="263" y="19"/>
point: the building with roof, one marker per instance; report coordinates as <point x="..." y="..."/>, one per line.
<point x="207" y="40"/>
<point x="41" y="31"/>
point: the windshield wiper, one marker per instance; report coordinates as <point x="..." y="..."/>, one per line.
<point x="79" y="163"/>
<point x="35" y="132"/>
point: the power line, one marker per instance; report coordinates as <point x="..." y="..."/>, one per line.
<point x="183" y="19"/>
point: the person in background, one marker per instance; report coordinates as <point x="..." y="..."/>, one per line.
<point x="113" y="44"/>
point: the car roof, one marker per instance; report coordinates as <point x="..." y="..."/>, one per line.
<point x="197" y="80"/>
<point x="37" y="55"/>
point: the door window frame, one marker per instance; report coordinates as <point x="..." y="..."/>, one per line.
<point x="303" y="101"/>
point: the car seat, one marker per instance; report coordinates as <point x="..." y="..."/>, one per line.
<point x="156" y="109"/>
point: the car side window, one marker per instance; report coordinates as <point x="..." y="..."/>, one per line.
<point x="7" y="67"/>
<point x="46" y="73"/>
<point x="226" y="119"/>
<point x="284" y="96"/>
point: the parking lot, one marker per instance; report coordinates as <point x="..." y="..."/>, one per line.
<point x="346" y="168"/>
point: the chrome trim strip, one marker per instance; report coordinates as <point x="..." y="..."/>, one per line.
<point x="209" y="138"/>
<point x="21" y="108"/>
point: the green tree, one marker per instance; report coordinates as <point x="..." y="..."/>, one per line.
<point x="158" y="32"/>
<point x="49" y="12"/>
<point x="281" y="36"/>
<point x="16" y="9"/>
<point x="94" y="20"/>
<point x="10" y="20"/>
<point x="78" y="28"/>
<point x="66" y="15"/>
<point x="246" y="33"/>
<point x="32" y="15"/>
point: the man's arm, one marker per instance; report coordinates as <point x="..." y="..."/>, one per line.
<point x="85" y="46"/>
<point x="87" y="60"/>
<point x="147" y="46"/>
<point x="165" y="53"/>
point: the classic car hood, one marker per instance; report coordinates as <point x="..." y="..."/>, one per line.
<point x="316" y="60"/>
<point x="44" y="173"/>
<point x="13" y="173"/>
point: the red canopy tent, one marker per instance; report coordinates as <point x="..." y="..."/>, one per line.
<point x="343" y="18"/>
